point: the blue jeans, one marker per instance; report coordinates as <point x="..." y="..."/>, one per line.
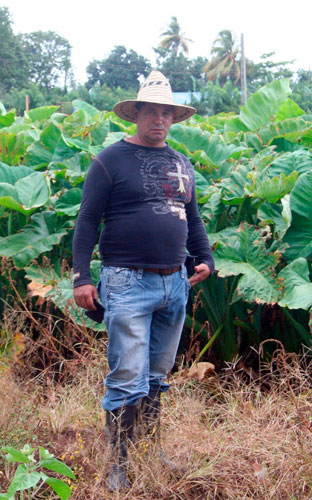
<point x="144" y="316"/>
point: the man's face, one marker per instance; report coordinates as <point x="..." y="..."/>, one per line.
<point x="153" y="124"/>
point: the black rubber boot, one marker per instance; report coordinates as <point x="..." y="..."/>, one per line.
<point x="148" y="425"/>
<point x="119" y="430"/>
<point x="148" y="416"/>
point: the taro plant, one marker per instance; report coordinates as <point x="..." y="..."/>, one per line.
<point x="31" y="473"/>
<point x="258" y="216"/>
<point x="254" y="185"/>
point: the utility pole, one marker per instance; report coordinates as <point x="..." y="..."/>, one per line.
<point x="243" y="73"/>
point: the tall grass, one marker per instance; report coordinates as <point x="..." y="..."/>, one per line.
<point x="238" y="436"/>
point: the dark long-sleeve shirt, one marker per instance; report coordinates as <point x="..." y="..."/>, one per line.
<point x="146" y="197"/>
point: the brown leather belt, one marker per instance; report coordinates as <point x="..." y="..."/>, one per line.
<point x="164" y="272"/>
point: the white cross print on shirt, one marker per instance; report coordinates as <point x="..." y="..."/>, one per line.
<point x="180" y="176"/>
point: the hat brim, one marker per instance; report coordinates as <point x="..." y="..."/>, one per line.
<point x="126" y="110"/>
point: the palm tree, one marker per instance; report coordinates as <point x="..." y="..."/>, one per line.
<point x="174" y="40"/>
<point x="224" y="64"/>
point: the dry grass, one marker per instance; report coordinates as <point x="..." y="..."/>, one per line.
<point x="237" y="441"/>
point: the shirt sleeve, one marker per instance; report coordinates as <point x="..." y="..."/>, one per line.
<point x="197" y="242"/>
<point x="95" y="194"/>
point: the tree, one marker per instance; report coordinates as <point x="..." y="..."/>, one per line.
<point x="120" y="69"/>
<point x="174" y="40"/>
<point x="13" y="63"/>
<point x="224" y="64"/>
<point x="48" y="56"/>
<point x="177" y="70"/>
<point x="197" y="70"/>
<point x="264" y="72"/>
<point x="104" y="98"/>
<point x="216" y="99"/>
<point x="185" y="75"/>
<point x="302" y="90"/>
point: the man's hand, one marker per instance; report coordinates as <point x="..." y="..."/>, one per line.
<point x="84" y="296"/>
<point x="202" y="272"/>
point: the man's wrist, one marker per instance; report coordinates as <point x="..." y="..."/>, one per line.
<point x="82" y="281"/>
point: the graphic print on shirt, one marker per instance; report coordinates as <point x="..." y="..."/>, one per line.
<point x="167" y="181"/>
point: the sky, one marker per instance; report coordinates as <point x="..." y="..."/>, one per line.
<point x="95" y="27"/>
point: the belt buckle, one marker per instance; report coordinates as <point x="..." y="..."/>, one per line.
<point x="165" y="272"/>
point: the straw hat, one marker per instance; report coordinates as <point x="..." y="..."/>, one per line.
<point x="156" y="89"/>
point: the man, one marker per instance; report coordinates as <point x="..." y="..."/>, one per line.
<point x="145" y="192"/>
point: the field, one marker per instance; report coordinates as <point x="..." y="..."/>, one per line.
<point x="239" y="434"/>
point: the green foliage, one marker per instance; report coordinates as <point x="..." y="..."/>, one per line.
<point x="260" y="107"/>
<point x="48" y="55"/>
<point x="224" y="65"/>
<point x="13" y="62"/>
<point x="29" y="475"/>
<point x="119" y="69"/>
<point x="253" y="173"/>
<point x="302" y="90"/>
<point x="298" y="287"/>
<point x="105" y="98"/>
<point x="216" y="99"/>
<point x="266" y="71"/>
<point x="173" y="40"/>
<point x="177" y="70"/>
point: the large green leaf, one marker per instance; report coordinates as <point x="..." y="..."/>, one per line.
<point x="23" y="479"/>
<point x="275" y="188"/>
<point x="234" y="186"/>
<point x="260" y="107"/>
<point x="290" y="129"/>
<point x="61" y="489"/>
<point x="111" y="138"/>
<point x="73" y="169"/>
<point x="63" y="297"/>
<point x="250" y="259"/>
<point x="87" y="108"/>
<point x="33" y="190"/>
<point x="212" y="210"/>
<point x="12" y="148"/>
<point x="28" y="193"/>
<point x="42" y="113"/>
<point x="99" y="130"/>
<point x="273" y="213"/>
<point x="14" y="455"/>
<point x="10" y="174"/>
<point x="299" y="161"/>
<point x="205" y="148"/>
<point x="288" y="109"/>
<point x="203" y="186"/>
<point x="50" y="147"/>
<point x="57" y="466"/>
<point x="298" y="287"/>
<point x="301" y="196"/>
<point x="299" y="235"/>
<point x="37" y="237"/>
<point x="9" y="198"/>
<point x="78" y="143"/>
<point x="43" y="275"/>
<point x="69" y="203"/>
<point x="7" y="120"/>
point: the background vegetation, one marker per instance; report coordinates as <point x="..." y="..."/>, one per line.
<point x="48" y="78"/>
<point x="254" y="186"/>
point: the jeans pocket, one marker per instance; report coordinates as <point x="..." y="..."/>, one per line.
<point x="118" y="278"/>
